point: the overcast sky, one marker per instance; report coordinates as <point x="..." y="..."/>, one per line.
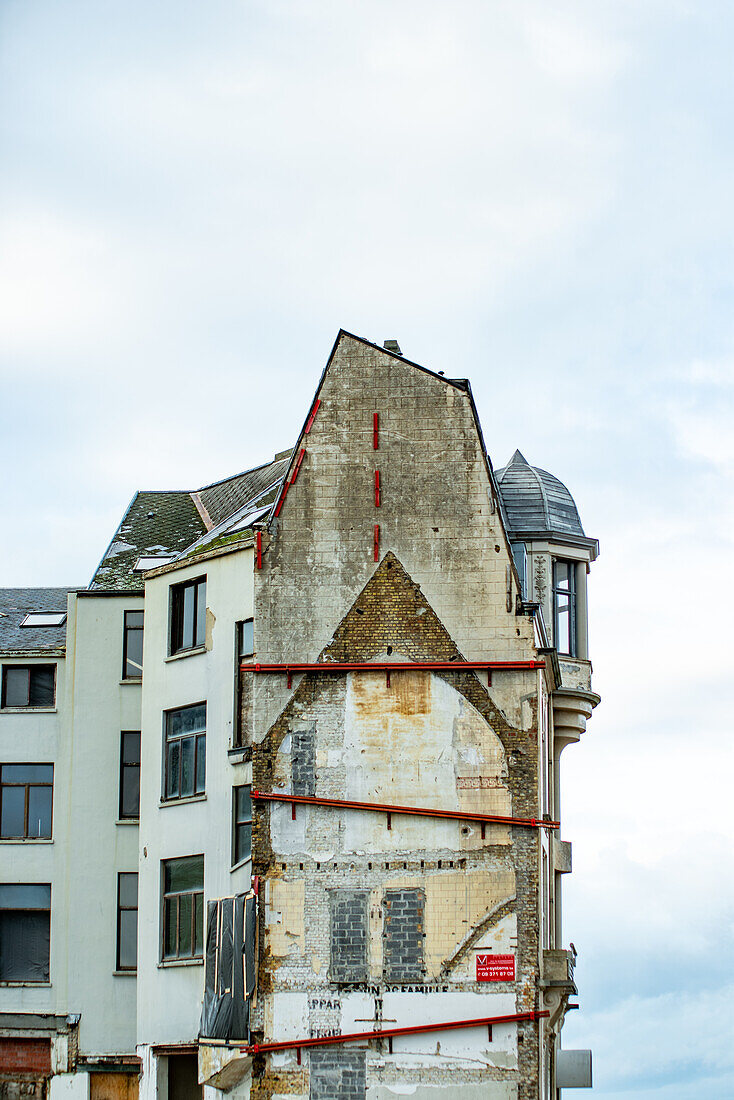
<point x="194" y="197"/>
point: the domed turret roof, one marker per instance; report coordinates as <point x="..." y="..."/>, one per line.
<point x="536" y="501"/>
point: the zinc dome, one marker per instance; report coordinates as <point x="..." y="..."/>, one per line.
<point x="536" y="501"/>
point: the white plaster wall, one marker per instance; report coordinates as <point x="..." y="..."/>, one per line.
<point x="70" y="1086"/>
<point x="36" y="737"/>
<point x="169" y="996"/>
<point x="100" y="707"/>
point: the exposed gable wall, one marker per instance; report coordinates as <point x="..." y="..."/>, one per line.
<point x="437" y="514"/>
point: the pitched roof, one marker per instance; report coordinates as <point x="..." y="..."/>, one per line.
<point x="536" y="501"/>
<point x="223" y="498"/>
<point x="15" y="604"/>
<point x="156" y="523"/>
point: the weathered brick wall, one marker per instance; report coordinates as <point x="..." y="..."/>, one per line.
<point x="337" y="1074"/>
<point x="25" y="1056"/>
<point x="443" y="589"/>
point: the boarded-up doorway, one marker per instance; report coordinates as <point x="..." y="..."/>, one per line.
<point x="113" y="1086"/>
<point x="183" y="1077"/>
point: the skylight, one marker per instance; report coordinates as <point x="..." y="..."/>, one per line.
<point x="145" y="563"/>
<point x="44" y="618"/>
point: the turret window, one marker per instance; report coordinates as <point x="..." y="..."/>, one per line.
<point x="564" y="607"/>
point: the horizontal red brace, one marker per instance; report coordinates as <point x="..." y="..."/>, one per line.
<point x="385" y="808"/>
<point x="390" y="1032"/>
<point x="392" y="666"/>
<point x="312" y="416"/>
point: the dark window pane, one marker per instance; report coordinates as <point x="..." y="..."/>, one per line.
<point x="243" y="842"/>
<point x="12" y="823"/>
<point x="172" y="788"/>
<point x="39" y="811"/>
<point x="170" y="909"/>
<point x="133" y="669"/>
<point x="134" y="619"/>
<point x="186" y="720"/>
<point x="187" y="766"/>
<point x="42" y="686"/>
<point x="16" y="687"/>
<point x="184" y="924"/>
<point x="128" y="946"/>
<point x="200" y="764"/>
<point x="244" y="804"/>
<point x="128" y="881"/>
<point x="130" y="799"/>
<point x="200" y="633"/>
<point x="187" y="634"/>
<point x="24" y="946"/>
<point x="131" y="748"/>
<point x="184" y="874"/>
<point x="199" y="924"/>
<point x="247" y="638"/>
<point x="26" y="895"/>
<point x="28" y="773"/>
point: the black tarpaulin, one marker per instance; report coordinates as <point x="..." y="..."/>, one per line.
<point x="229" y="975"/>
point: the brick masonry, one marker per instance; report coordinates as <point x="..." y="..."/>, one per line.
<point x="337" y="1074"/>
<point x="442" y="590"/>
<point x="349" y="930"/>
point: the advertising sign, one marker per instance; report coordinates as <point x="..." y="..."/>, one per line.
<point x="495" y="968"/>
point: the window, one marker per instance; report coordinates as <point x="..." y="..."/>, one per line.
<point x="132" y="646"/>
<point x="28" y="685"/>
<point x="564" y="606"/>
<point x="185" y="751"/>
<point x="246" y="638"/>
<point x="25" y="931"/>
<point x="183" y="908"/>
<point x="26" y="796"/>
<point x="129" y="774"/>
<point x="188" y="615"/>
<point x="520" y="556"/>
<point x="127" y="920"/>
<point x="241" y="824"/>
<point x="402" y="941"/>
<point x="44" y="618"/>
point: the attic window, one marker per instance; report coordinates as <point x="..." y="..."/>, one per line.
<point x="144" y="563"/>
<point x="44" y="618"/>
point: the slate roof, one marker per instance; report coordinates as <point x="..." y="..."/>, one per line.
<point x="223" y="498"/>
<point x="536" y="501"/>
<point x="15" y="604"/>
<point x="155" y="523"/>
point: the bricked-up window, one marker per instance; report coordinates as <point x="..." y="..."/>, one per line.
<point x="241" y="824"/>
<point x="185" y="752"/>
<point x="337" y="1073"/>
<point x="303" y="762"/>
<point x="28" y="685"/>
<point x="564" y="606"/>
<point x="349" y="935"/>
<point x="127" y="920"/>
<point x="25" y="931"/>
<point x="132" y="646"/>
<point x="129" y="775"/>
<point x="183" y="908"/>
<point x="26" y="799"/>
<point x="188" y="615"/>
<point x="402" y="947"/>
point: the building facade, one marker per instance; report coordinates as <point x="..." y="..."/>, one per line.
<point x="281" y="786"/>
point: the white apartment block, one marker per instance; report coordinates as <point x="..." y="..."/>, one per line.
<point x="280" y="789"/>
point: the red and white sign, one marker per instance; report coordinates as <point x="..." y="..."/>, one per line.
<point x="495" y="968"/>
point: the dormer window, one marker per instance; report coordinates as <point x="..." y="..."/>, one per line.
<point x="564" y="607"/>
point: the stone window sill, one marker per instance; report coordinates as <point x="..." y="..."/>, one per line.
<point x="124" y="973"/>
<point x="129" y="821"/>
<point x="187" y="653"/>
<point x="136" y="681"/>
<point x="29" y="710"/>
<point x="179" y="962"/>
<point x="24" y="985"/>
<point x="26" y="840"/>
<point x="164" y="802"/>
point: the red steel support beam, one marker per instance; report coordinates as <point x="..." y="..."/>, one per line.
<point x="312" y="416"/>
<point x="377" y="488"/>
<point x="377" y="542"/>
<point x="259" y="549"/>
<point x="390" y="1032"/>
<point x="386" y="808"/>
<point x="299" y="460"/>
<point x="376" y="431"/>
<point x="392" y="666"/>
